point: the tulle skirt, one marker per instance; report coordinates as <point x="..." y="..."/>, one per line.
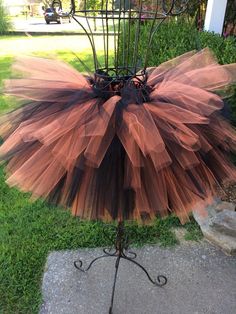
<point x="115" y="158"/>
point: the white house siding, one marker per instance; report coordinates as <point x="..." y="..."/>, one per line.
<point x="215" y="15"/>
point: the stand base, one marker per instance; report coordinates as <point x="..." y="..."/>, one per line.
<point x="121" y="252"/>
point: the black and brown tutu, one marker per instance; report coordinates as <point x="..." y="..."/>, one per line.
<point x="126" y="155"/>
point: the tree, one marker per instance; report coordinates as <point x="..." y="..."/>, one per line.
<point x="5" y="23"/>
<point x="65" y="4"/>
<point x="96" y="6"/>
<point x="230" y="18"/>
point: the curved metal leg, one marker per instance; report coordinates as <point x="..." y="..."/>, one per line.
<point x="160" y="281"/>
<point x="80" y="266"/>
<point x="121" y="251"/>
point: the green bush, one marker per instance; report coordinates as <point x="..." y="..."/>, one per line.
<point x="174" y="38"/>
<point x="5" y="23"/>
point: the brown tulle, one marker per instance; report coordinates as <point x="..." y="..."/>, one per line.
<point x="74" y="148"/>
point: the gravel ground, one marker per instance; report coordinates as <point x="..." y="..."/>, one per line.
<point x="228" y="193"/>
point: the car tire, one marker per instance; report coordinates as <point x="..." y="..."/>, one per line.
<point x="47" y="22"/>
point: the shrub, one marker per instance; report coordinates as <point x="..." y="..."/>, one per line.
<point x="174" y="38"/>
<point x="4" y="20"/>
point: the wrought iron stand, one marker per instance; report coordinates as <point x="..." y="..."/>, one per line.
<point x="121" y="251"/>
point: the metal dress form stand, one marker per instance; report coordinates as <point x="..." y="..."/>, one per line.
<point x="118" y="68"/>
<point x="121" y="251"/>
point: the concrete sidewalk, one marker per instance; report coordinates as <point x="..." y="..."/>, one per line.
<point x="201" y="279"/>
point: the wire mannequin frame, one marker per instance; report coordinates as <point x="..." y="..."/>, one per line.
<point x="121" y="64"/>
<point x="120" y="23"/>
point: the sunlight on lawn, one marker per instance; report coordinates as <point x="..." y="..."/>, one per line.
<point x="27" y="45"/>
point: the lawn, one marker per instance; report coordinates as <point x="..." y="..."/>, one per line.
<point x="30" y="230"/>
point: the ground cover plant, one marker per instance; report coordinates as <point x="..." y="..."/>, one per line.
<point x="30" y="230"/>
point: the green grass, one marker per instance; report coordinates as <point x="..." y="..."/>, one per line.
<point x="30" y="230"/>
<point x="6" y="103"/>
<point x="193" y="232"/>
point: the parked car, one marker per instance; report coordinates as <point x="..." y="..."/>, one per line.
<point x="51" y="15"/>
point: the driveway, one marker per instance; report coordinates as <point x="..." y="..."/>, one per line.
<point x="39" y="25"/>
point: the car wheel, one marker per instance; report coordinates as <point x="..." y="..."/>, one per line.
<point x="47" y="22"/>
<point x="59" y="21"/>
